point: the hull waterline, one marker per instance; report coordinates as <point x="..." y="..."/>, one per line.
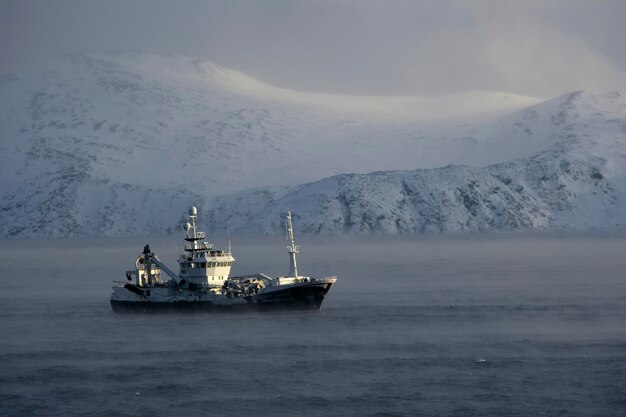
<point x="290" y="299"/>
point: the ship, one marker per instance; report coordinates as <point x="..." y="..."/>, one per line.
<point x="204" y="284"/>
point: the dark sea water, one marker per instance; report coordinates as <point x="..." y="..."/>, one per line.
<point x="476" y="326"/>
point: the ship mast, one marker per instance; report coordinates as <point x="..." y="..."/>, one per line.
<point x="229" y="239"/>
<point x="291" y="247"/>
<point x="147" y="255"/>
<point x="191" y="229"/>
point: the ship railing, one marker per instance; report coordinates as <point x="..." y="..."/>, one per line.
<point x="252" y="276"/>
<point x="204" y="246"/>
<point x="324" y="278"/>
<point x="210" y="252"/>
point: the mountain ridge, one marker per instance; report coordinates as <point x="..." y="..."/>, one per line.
<point x="539" y="194"/>
<point x="115" y="144"/>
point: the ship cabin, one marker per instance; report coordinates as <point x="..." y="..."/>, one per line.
<point x="200" y="264"/>
<point x="143" y="276"/>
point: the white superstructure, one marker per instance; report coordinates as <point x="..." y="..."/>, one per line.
<point x="201" y="265"/>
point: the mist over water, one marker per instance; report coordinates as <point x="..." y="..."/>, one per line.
<point x="495" y="326"/>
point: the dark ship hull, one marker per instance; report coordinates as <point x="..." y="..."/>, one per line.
<point x="301" y="297"/>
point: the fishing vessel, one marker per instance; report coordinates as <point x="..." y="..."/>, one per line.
<point x="203" y="281"/>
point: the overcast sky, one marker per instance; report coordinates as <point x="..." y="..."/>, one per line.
<point x="541" y="48"/>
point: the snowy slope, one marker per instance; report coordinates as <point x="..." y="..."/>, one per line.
<point x="577" y="181"/>
<point x="145" y="119"/>
<point x="122" y="143"/>
<point x="551" y="191"/>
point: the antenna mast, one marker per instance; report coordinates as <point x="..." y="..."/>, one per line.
<point x="291" y="247"/>
<point x="229" y="239"/>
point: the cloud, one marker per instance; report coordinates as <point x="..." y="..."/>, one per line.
<point x="529" y="53"/>
<point x="540" y="48"/>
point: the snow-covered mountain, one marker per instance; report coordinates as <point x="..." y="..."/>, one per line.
<point x="575" y="181"/>
<point x="123" y="143"/>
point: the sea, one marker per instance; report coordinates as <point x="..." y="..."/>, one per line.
<point x="472" y="325"/>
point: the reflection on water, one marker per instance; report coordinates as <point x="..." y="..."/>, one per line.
<point x="415" y="326"/>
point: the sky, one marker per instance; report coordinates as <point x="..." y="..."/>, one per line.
<point x="363" y="47"/>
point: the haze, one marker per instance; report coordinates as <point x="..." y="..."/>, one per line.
<point x="537" y="48"/>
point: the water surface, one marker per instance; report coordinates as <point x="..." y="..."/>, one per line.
<point x="473" y="326"/>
